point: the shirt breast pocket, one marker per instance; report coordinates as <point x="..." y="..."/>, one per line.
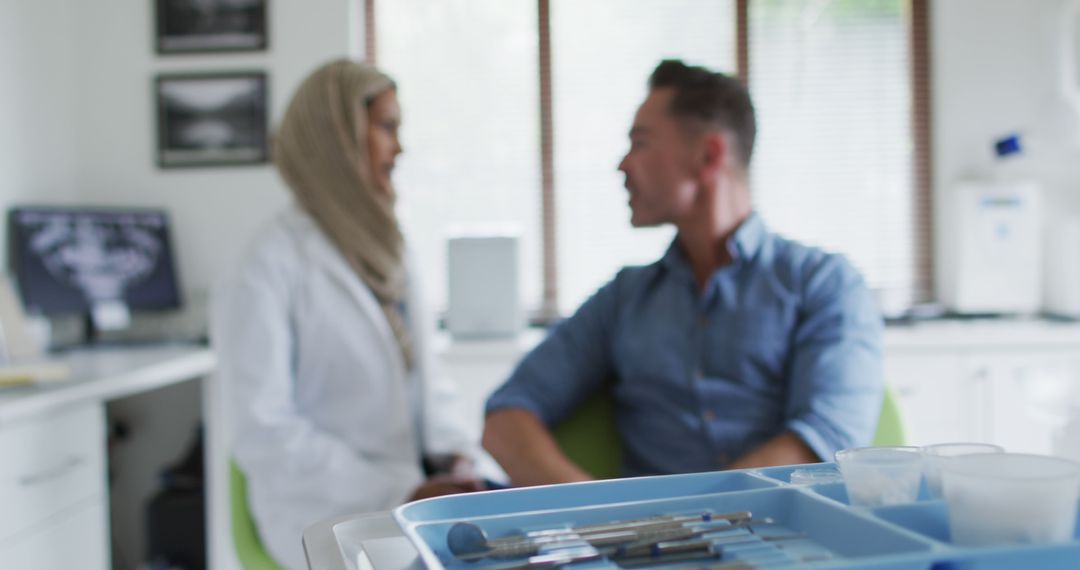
<point x="755" y="349"/>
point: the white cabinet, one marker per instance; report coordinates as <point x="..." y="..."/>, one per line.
<point x="479" y="367"/>
<point x="52" y="484"/>
<point x="1013" y="383"/>
<point x="75" y="540"/>
<point x="1033" y="393"/>
<point x="54" y="497"/>
<point x="939" y="399"/>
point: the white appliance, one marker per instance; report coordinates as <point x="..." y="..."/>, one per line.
<point x="484" y="299"/>
<point x="992" y="256"/>
<point x="1062" y="269"/>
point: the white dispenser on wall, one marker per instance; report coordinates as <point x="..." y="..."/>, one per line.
<point x="993" y="241"/>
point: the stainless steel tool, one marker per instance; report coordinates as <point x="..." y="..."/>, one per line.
<point x="468" y="541"/>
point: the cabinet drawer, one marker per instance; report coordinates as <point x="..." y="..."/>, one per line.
<point x="79" y="539"/>
<point x="50" y="463"/>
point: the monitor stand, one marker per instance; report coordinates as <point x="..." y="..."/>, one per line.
<point x="105" y="316"/>
<point x="90" y="332"/>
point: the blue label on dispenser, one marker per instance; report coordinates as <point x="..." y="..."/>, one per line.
<point x="1001" y="202"/>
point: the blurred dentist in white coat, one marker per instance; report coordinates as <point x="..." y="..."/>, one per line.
<point x="319" y="329"/>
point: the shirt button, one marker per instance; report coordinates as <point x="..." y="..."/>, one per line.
<point x="708" y="415"/>
<point x="703" y="322"/>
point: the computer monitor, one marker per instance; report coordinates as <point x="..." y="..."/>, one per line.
<point x="70" y="260"/>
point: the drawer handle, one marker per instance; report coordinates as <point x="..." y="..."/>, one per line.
<point x="68" y="465"/>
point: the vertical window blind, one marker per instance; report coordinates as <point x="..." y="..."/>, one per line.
<point x="468" y="86"/>
<point x="600" y="75"/>
<point x="833" y="166"/>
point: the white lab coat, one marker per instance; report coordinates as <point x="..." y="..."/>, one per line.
<point x="324" y="419"/>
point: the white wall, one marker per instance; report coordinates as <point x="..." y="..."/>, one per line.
<point x="37" y="110"/>
<point x="991" y="60"/>
<point x="214" y="210"/>
<point x="995" y="72"/>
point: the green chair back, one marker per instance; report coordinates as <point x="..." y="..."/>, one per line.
<point x="249" y="548"/>
<point x="890" y="428"/>
<point x="590" y="438"/>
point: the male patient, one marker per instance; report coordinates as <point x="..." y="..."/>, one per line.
<point x="738" y="348"/>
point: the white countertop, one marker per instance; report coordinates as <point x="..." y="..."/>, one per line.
<point x="472" y="348"/>
<point x="105" y="373"/>
<point x="951" y="334"/>
<point x="943" y="334"/>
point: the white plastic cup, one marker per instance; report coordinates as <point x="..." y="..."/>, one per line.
<point x="1011" y="498"/>
<point x="934" y="455"/>
<point x="877" y="476"/>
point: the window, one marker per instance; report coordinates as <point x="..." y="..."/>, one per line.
<point x="840" y="160"/>
<point x="467" y="76"/>
<point x="599" y="75"/>
<point x="833" y="164"/>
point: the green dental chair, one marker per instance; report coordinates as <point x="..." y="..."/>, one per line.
<point x="249" y="548"/>
<point x="590" y="438"/>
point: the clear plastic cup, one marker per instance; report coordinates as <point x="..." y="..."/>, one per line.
<point x="877" y="476"/>
<point x="1011" y="498"/>
<point x="934" y="455"/>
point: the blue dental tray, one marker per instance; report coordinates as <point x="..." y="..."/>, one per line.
<point x="812" y="526"/>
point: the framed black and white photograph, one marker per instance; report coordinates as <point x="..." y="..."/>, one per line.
<point x="188" y="26"/>
<point x="212" y="119"/>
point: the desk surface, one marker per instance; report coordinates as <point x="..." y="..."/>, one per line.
<point x="106" y="373"/>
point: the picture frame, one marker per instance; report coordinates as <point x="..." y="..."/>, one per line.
<point x="199" y="26"/>
<point x="212" y="119"/>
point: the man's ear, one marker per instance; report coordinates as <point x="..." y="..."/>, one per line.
<point x="715" y="151"/>
<point x="715" y="146"/>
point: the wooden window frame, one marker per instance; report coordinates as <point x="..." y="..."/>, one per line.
<point x="922" y="139"/>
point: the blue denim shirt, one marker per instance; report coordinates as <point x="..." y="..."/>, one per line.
<point x="786" y="337"/>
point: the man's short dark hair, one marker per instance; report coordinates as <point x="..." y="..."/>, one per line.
<point x="714" y="99"/>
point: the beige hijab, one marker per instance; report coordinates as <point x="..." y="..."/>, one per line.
<point x="321" y="151"/>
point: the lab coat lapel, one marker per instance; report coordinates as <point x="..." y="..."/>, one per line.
<point x="329" y="258"/>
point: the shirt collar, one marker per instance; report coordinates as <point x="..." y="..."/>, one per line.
<point x="748" y="238"/>
<point x="743" y="244"/>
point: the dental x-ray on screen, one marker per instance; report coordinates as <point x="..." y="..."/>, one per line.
<point x="68" y="260"/>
